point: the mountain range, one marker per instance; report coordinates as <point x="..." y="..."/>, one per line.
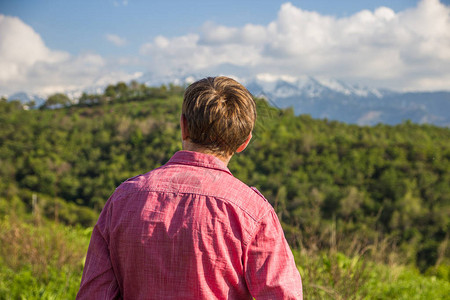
<point x="335" y="100"/>
<point x="322" y="98"/>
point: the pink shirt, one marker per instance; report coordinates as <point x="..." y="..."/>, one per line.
<point x="188" y="230"/>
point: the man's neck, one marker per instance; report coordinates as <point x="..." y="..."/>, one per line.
<point x="189" y="146"/>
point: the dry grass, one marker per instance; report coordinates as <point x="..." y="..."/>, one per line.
<point x="335" y="266"/>
<point x="41" y="246"/>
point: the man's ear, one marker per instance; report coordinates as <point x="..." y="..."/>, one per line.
<point x="184" y="127"/>
<point x="244" y="145"/>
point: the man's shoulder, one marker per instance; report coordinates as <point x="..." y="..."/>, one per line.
<point x="131" y="185"/>
<point x="203" y="182"/>
<point x="246" y="198"/>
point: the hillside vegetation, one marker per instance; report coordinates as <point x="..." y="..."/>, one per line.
<point x="354" y="201"/>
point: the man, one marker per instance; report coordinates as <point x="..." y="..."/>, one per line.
<point x="189" y="229"/>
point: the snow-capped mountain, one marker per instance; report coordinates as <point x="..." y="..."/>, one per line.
<point x="308" y="87"/>
<point x="181" y="79"/>
<point x="28" y="99"/>
<point x="336" y="100"/>
<point x="319" y="97"/>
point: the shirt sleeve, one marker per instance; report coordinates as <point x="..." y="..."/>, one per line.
<point x="98" y="280"/>
<point x="270" y="268"/>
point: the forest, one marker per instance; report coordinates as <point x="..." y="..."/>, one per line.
<point x="366" y="210"/>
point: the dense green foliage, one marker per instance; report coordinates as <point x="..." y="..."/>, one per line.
<point x="362" y="183"/>
<point x="382" y="191"/>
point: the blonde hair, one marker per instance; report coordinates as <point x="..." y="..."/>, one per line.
<point x="220" y="114"/>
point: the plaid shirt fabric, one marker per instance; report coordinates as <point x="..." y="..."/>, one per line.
<point x="188" y="230"/>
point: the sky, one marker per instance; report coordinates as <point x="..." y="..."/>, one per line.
<point x="56" y="46"/>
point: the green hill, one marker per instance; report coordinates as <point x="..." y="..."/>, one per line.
<point x="341" y="191"/>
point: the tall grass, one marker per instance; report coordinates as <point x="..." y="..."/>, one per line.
<point x="340" y="267"/>
<point x="44" y="260"/>
<point x="40" y="260"/>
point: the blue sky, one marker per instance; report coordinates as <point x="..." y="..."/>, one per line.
<point x="70" y="45"/>
<point x="76" y="26"/>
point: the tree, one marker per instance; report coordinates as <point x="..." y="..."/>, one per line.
<point x="57" y="100"/>
<point x="110" y="92"/>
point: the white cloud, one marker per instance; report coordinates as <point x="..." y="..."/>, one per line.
<point x="27" y="64"/>
<point x="119" y="3"/>
<point x="408" y="50"/>
<point x="115" y="39"/>
<point x="189" y="53"/>
<point x="20" y="48"/>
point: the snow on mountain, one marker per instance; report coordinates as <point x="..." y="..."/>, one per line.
<point x="319" y="97"/>
<point x="335" y="100"/>
<point x="27" y="98"/>
<point x="310" y="87"/>
<point x="151" y="79"/>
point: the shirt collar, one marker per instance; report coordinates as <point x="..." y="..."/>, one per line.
<point x="198" y="159"/>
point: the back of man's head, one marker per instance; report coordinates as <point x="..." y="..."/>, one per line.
<point x="220" y="114"/>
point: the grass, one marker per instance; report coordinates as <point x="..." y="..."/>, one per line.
<point x="333" y="275"/>
<point x="44" y="260"/>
